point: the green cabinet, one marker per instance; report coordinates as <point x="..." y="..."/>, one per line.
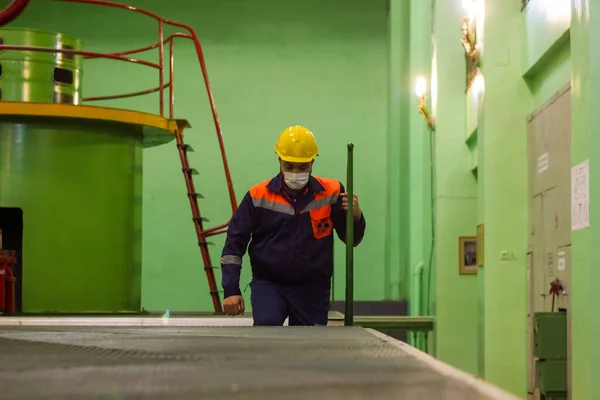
<point x="551" y="375"/>
<point x="550" y="335"/>
<point x="550" y="349"/>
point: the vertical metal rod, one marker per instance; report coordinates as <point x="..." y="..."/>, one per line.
<point x="349" y="301"/>
<point x="171" y="79"/>
<point x="161" y="63"/>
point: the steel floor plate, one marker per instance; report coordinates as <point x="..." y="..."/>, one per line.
<point x="228" y="363"/>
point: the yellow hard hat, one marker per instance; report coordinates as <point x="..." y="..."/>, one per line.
<point x="297" y="144"/>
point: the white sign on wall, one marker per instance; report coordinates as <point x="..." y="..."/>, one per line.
<point x="561" y="261"/>
<point x="542" y="163"/>
<point x="580" y="196"/>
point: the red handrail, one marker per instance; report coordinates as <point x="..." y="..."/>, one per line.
<point x="200" y="54"/>
<point x="81" y="53"/>
<point x="14" y="9"/>
<point x="17" y="7"/>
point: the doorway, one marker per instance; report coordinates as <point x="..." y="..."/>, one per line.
<point x="11" y="229"/>
<point x="549" y="254"/>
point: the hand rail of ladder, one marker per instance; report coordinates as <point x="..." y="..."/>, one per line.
<point x="161" y="87"/>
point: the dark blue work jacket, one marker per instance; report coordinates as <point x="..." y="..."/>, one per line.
<point x="291" y="240"/>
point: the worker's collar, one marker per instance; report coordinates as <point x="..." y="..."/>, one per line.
<point x="276" y="184"/>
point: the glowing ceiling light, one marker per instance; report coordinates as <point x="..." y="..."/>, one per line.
<point x="421" y="87"/>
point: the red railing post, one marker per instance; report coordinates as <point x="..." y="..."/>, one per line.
<point x="171" y="79"/>
<point x="13" y="10"/>
<point x="161" y="62"/>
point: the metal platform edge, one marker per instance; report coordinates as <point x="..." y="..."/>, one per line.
<point x="416" y="324"/>
<point x="156" y="129"/>
<point x="125" y="321"/>
<point x="482" y="387"/>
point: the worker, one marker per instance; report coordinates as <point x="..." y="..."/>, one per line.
<point x="287" y="224"/>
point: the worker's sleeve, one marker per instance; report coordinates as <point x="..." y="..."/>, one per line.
<point x="338" y="217"/>
<point x="238" y="236"/>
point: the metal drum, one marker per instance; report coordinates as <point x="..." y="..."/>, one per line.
<point x="40" y="77"/>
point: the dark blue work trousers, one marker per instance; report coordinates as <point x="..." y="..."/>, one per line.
<point x="305" y="305"/>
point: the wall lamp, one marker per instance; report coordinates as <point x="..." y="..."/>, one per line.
<point x="421" y="91"/>
<point x="469" y="30"/>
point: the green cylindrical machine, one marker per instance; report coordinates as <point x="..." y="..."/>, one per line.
<point x="74" y="175"/>
<point x="78" y="184"/>
<point x="40" y="77"/>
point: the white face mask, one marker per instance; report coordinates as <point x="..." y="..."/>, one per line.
<point x="296" y="181"/>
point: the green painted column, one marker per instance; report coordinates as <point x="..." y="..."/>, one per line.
<point x="504" y="176"/>
<point x="481" y="171"/>
<point x="400" y="96"/>
<point x="455" y="194"/>
<point x="420" y="176"/>
<point x="585" y="279"/>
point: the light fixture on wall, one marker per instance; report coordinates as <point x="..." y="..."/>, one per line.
<point x="421" y="91"/>
<point x="478" y="83"/>
<point x="558" y="12"/>
<point x="469" y="37"/>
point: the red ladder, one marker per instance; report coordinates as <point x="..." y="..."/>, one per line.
<point x="193" y="196"/>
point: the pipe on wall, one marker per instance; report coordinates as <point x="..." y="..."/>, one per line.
<point x="13" y="10"/>
<point x="416" y="300"/>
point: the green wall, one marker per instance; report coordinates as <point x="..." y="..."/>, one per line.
<point x="398" y="151"/>
<point x="420" y="223"/>
<point x="455" y="194"/>
<point x="272" y="64"/>
<point x="503" y="155"/>
<point x="481" y="177"/>
<point x="524" y="66"/>
<point x="585" y="39"/>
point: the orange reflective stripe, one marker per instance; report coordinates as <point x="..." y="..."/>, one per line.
<point x="261" y="191"/>
<point x="320" y="203"/>
<point x="327" y="197"/>
<point x="331" y="187"/>
<point x="262" y="197"/>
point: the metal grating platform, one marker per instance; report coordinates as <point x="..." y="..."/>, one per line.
<point x="229" y="363"/>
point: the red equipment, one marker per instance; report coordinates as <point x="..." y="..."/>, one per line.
<point x="556" y="289"/>
<point x="202" y="234"/>
<point x="7" y="284"/>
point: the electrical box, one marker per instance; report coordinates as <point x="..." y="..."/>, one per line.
<point x="550" y="335"/>
<point x="551" y="376"/>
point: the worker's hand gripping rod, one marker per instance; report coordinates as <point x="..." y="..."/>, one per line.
<point x="349" y="302"/>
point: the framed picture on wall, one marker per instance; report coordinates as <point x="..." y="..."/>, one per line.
<point x="467" y="255"/>
<point x="480" y="245"/>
